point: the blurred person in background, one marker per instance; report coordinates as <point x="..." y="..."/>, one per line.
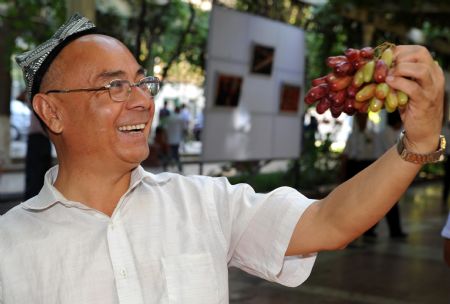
<point x="164" y="114"/>
<point x="446" y="235"/>
<point x="175" y="132"/>
<point x="446" y="181"/>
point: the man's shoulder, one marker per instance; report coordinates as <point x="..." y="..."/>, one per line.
<point x="13" y="218"/>
<point x="11" y="224"/>
<point x="167" y="178"/>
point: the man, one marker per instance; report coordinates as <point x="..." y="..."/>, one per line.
<point x="104" y="231"/>
<point x="175" y="128"/>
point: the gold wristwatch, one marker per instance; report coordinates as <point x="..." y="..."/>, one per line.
<point x="421" y="159"/>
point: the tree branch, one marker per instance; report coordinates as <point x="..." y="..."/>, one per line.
<point x="181" y="41"/>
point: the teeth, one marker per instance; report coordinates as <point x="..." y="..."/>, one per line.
<point x="132" y="127"/>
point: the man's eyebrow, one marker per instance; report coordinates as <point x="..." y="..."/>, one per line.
<point x="117" y="74"/>
<point x="110" y="74"/>
<point x="141" y="71"/>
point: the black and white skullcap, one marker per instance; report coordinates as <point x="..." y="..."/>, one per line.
<point x="35" y="63"/>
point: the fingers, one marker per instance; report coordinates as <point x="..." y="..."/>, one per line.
<point x="410" y="87"/>
<point x="420" y="72"/>
<point x="412" y="53"/>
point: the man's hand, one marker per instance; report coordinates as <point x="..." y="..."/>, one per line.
<point x="418" y="75"/>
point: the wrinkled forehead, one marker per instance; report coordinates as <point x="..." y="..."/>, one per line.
<point x="90" y="55"/>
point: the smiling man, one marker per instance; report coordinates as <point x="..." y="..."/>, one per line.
<point x="102" y="230"/>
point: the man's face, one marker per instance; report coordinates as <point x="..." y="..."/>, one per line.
<point x="95" y="126"/>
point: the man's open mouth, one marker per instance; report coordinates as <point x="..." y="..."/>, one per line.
<point x="132" y="128"/>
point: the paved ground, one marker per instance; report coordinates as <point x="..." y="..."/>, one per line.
<point x="382" y="271"/>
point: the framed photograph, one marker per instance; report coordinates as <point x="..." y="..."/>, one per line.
<point x="290" y="96"/>
<point x="263" y="57"/>
<point x="228" y="90"/>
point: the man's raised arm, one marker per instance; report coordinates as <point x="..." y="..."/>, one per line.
<point x="359" y="203"/>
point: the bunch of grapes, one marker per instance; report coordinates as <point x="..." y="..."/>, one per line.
<point x="357" y="83"/>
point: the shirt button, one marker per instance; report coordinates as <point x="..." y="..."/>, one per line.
<point x="123" y="273"/>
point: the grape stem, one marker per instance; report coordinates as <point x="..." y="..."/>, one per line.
<point x="378" y="50"/>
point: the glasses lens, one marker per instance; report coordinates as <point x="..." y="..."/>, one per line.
<point x="150" y="85"/>
<point x="119" y="90"/>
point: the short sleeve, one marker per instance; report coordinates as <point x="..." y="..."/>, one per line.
<point x="446" y="230"/>
<point x="259" y="227"/>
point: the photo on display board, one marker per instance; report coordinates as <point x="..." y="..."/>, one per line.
<point x="289" y="99"/>
<point x="263" y="57"/>
<point x="228" y="90"/>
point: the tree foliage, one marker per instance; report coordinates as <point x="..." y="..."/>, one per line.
<point x="161" y="34"/>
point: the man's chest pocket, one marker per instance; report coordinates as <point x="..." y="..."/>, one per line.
<point x="191" y="278"/>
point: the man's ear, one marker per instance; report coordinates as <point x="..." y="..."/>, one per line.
<point x="47" y="109"/>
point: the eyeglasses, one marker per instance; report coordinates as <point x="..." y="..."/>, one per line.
<point x="120" y="90"/>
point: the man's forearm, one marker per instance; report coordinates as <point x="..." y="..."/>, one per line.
<point x="359" y="203"/>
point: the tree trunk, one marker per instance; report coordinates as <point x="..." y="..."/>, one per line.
<point x="5" y="93"/>
<point x="84" y="7"/>
<point x="180" y="43"/>
<point x="140" y="31"/>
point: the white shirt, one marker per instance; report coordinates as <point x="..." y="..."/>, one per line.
<point x="175" y="127"/>
<point x="446" y="230"/>
<point x="169" y="240"/>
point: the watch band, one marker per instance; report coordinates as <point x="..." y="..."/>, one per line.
<point x="421" y="159"/>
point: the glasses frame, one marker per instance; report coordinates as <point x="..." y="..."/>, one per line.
<point x="148" y="79"/>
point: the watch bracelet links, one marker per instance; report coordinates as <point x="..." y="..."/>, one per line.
<point x="417" y="158"/>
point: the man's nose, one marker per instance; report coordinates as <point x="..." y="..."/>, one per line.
<point x="139" y="99"/>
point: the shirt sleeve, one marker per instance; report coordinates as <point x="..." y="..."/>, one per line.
<point x="446" y="230"/>
<point x="258" y="228"/>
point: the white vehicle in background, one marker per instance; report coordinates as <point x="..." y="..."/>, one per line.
<point x="19" y="120"/>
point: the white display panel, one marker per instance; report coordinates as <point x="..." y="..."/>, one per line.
<point x="255" y="128"/>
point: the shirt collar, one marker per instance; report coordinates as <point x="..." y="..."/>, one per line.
<point x="49" y="195"/>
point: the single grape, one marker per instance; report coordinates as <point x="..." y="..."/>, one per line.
<point x="337" y="97"/>
<point x="381" y="71"/>
<point x="382" y="90"/>
<point x="367" y="92"/>
<point x="367" y="52"/>
<point x="352" y="54"/>
<point x="323" y="105"/>
<point x="332" y="61"/>
<point x="359" y="63"/>
<point x="343" y="68"/>
<point x="349" y="107"/>
<point x="368" y="70"/>
<point x="375" y="104"/>
<point x="352" y="90"/>
<point x="320" y="80"/>
<point x="336" y="111"/>
<point x="391" y="99"/>
<point x="388" y="56"/>
<point x="317" y="92"/>
<point x="402" y="98"/>
<point x="339" y="83"/>
<point x="358" y="78"/>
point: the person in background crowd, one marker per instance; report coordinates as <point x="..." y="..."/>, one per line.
<point x="446" y="181"/>
<point x="446" y="235"/>
<point x="186" y="115"/>
<point x="164" y="114"/>
<point x="175" y="131"/>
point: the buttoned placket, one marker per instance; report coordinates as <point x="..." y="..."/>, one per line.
<point x="127" y="281"/>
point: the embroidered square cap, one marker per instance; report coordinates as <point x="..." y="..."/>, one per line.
<point x="35" y="63"/>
